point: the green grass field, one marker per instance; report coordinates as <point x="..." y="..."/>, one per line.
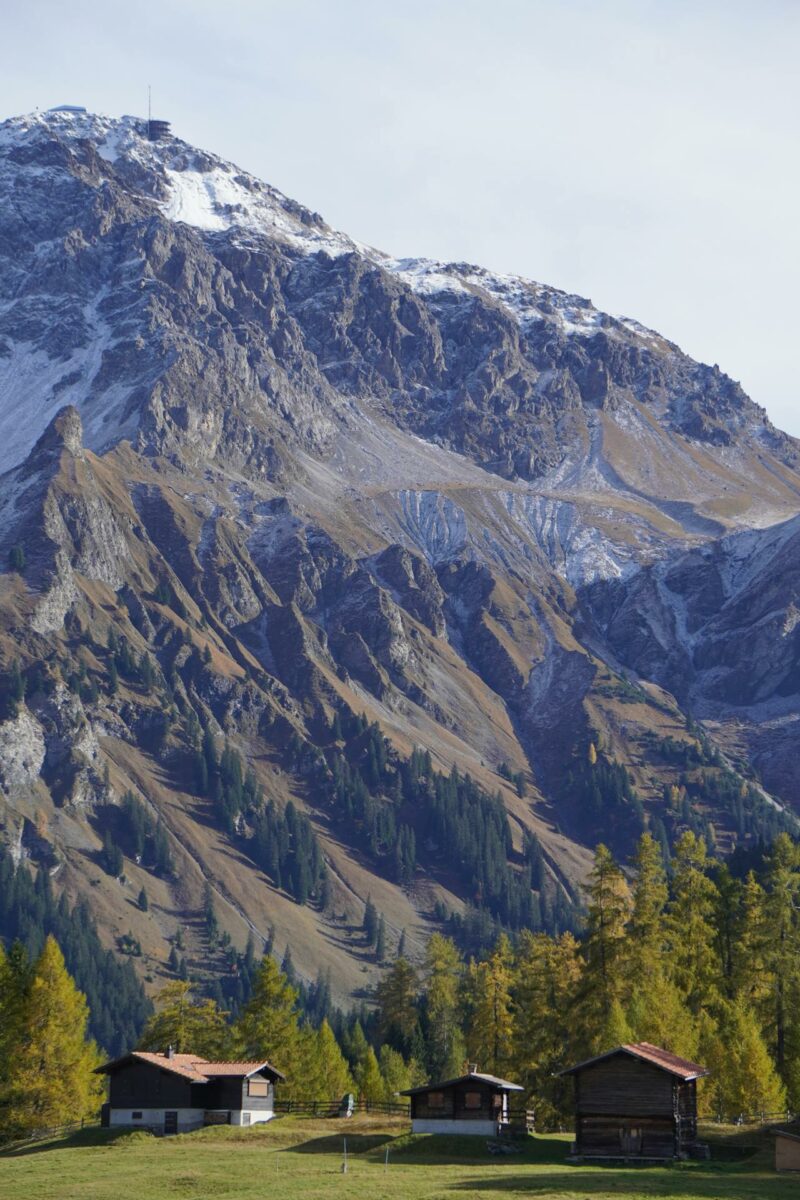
<point x="293" y="1159"/>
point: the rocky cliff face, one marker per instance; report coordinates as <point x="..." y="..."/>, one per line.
<point x="302" y="481"/>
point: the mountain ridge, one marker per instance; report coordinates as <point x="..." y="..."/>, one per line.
<point x="308" y="483"/>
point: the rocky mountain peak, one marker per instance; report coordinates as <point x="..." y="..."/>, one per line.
<point x="65" y="432"/>
<point x="330" y="497"/>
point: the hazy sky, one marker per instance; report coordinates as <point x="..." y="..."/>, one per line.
<point x="643" y="154"/>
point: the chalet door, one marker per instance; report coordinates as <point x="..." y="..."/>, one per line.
<point x="170" y="1122"/>
<point x="630" y="1137"/>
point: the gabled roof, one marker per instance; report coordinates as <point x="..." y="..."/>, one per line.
<point x="241" y="1069"/>
<point x="665" y="1060"/>
<point x="502" y="1085"/>
<point x="786" y="1133"/>
<point x="191" y="1066"/>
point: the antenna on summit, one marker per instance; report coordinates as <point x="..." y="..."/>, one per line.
<point x="156" y="130"/>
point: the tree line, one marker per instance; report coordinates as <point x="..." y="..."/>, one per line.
<point x="701" y="958"/>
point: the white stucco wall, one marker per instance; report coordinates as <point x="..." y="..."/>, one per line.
<point x="188" y="1118"/>
<point x="474" y="1128"/>
<point x="257" y="1116"/>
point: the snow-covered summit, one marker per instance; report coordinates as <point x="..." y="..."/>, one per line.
<point x="190" y="185"/>
<point x="214" y="196"/>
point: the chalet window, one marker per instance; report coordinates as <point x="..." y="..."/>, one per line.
<point x="472" y="1100"/>
<point x="136" y="1116"/>
<point x="435" y="1099"/>
<point x="257" y="1087"/>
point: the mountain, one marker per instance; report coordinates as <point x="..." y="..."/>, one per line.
<point x="299" y="536"/>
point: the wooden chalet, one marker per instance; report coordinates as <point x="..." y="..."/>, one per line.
<point x="173" y="1093"/>
<point x="472" y="1104"/>
<point x="636" y="1102"/>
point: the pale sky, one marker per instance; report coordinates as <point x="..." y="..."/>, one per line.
<point x="643" y="153"/>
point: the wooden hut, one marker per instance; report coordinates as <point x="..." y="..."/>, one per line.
<point x="473" y="1104"/>
<point x="787" y="1149"/>
<point x="636" y="1102"/>
<point x="174" y="1093"/>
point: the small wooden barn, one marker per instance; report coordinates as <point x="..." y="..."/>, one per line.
<point x="173" y="1093"/>
<point x="473" y="1104"/>
<point x="636" y="1102"/>
<point x="787" y="1149"/>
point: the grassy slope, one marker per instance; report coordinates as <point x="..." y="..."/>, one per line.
<point x="301" y="1160"/>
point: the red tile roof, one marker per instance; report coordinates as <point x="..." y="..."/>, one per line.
<point x="665" y="1060"/>
<point x="235" y="1068"/>
<point x="192" y="1066"/>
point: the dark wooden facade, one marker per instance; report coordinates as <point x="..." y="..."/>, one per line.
<point x="472" y="1103"/>
<point x="637" y="1102"/>
<point x="175" y="1092"/>
<point x="141" y="1085"/>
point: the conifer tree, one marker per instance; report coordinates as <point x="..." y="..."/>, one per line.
<point x="14" y="981"/>
<point x="334" y="1073"/>
<point x="368" y="1078"/>
<point x="690" y="925"/>
<point x="370" y="925"/>
<point x="604" y="948"/>
<point x="744" y="1080"/>
<point x="445" y="1040"/>
<point x="380" y="940"/>
<point x="490" y="1035"/>
<point x="396" y="995"/>
<point x="355" y="1046"/>
<point x="268" y="1027"/>
<point x="547" y="974"/>
<point x="394" y="1071"/>
<point x="781" y="942"/>
<point x="51" y="1076"/>
<point x="645" y="930"/>
<point x="189" y="1024"/>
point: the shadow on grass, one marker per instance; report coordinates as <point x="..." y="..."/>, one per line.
<point x="80" y="1140"/>
<point x="436" y="1147"/>
<point x="669" y="1183"/>
<point x="357" y="1143"/>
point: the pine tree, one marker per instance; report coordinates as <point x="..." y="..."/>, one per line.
<point x="142" y="901"/>
<point x="51" y="1077"/>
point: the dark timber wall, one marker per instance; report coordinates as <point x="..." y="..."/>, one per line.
<point x="627" y="1108"/>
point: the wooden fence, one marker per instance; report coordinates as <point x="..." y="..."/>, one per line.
<point x="331" y="1108"/>
<point x="759" y="1118"/>
<point x="49" y="1131"/>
